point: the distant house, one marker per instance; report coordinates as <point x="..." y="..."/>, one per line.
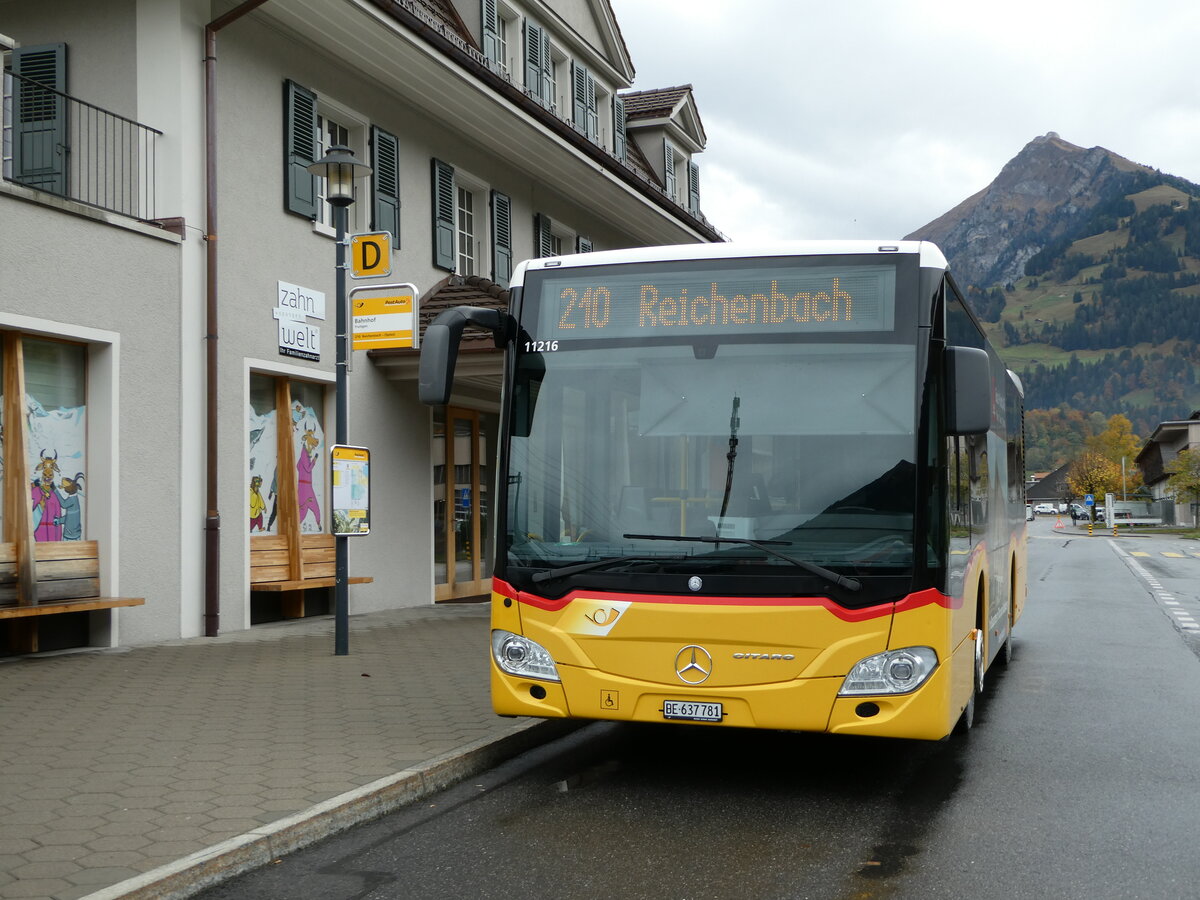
<point x="1167" y="442"/>
<point x="1052" y="488"/>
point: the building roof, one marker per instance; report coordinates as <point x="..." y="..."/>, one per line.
<point x="656" y="103"/>
<point x="1051" y="489"/>
<point x="438" y="23"/>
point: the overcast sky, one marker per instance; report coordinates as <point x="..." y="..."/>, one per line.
<point x="868" y="119"/>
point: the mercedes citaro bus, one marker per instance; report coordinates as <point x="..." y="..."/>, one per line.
<point x="773" y="486"/>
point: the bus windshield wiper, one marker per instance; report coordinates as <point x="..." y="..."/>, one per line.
<point x="849" y="584"/>
<point x="564" y="571"/>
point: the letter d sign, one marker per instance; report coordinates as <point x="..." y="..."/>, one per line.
<point x="370" y="255"/>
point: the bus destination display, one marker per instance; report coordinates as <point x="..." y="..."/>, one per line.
<point x="799" y="300"/>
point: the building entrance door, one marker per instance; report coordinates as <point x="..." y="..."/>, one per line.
<point x="462" y="557"/>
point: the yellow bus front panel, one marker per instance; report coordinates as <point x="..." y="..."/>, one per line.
<point x="768" y="662"/>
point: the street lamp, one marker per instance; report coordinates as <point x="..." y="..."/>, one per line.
<point x="339" y="168"/>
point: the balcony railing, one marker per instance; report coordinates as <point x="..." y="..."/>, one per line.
<point x="73" y="149"/>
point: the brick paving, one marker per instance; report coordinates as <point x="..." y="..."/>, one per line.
<point x="117" y="763"/>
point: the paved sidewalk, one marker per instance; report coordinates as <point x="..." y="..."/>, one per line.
<point x="154" y="771"/>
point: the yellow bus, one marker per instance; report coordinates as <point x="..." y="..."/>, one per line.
<point x="764" y="487"/>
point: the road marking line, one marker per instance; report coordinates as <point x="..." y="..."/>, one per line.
<point x="1182" y="618"/>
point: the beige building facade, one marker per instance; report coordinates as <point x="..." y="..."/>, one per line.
<point x="168" y="299"/>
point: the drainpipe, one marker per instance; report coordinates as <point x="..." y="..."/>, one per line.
<point x="212" y="518"/>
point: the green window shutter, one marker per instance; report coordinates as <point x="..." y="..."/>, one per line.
<point x="443" y="215"/>
<point x="583" y="101"/>
<point x="542" y="245"/>
<point x="592" y="124"/>
<point x="40" y="140"/>
<point x="491" y="31"/>
<point x="501" y="239"/>
<point x="669" y="169"/>
<point x="533" y="60"/>
<point x="693" y="188"/>
<point x="579" y="77"/>
<point x="385" y="160"/>
<point x="619" y="145"/>
<point x="547" y="70"/>
<point x="299" y="150"/>
<point x="583" y="244"/>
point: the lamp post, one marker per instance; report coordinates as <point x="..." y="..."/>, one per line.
<point x="339" y="168"/>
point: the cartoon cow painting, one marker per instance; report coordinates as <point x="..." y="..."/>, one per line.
<point x="47" y="503"/>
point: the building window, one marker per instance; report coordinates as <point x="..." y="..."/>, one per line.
<point x="460" y="216"/>
<point x="337" y="127"/>
<point x="500" y="23"/>
<point x="551" y="238"/>
<point x="559" y="90"/>
<point x="466" y="232"/>
<point x="312" y="125"/>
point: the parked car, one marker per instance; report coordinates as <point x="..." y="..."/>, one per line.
<point x="1044" y="509"/>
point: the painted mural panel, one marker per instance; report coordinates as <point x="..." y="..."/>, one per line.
<point x="56" y="412"/>
<point x="308" y="432"/>
<point x="264" y="464"/>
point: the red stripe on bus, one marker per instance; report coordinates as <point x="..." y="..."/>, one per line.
<point x="911" y="602"/>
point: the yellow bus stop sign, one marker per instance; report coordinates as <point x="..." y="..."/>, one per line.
<point x="384" y="323"/>
<point x="371" y="255"/>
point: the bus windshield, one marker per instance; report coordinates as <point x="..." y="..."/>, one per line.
<point x="620" y="447"/>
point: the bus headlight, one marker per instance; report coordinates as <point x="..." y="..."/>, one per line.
<point x="518" y="655"/>
<point x="891" y="672"/>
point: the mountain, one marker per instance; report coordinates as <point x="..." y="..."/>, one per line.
<point x="1085" y="269"/>
<point x="1044" y="192"/>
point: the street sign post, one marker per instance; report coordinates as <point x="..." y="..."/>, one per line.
<point x="387" y="321"/>
<point x="371" y="255"/>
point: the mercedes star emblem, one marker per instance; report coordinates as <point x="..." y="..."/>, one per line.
<point x="693" y="664"/>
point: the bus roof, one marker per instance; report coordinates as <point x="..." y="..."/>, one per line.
<point x="931" y="256"/>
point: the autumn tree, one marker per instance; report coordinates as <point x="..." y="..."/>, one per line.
<point x="1118" y="444"/>
<point x="1094" y="474"/>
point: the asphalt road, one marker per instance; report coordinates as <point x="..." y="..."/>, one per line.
<point x="1080" y="780"/>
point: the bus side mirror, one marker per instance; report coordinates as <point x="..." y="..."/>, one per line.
<point x="969" y="391"/>
<point x="439" y="347"/>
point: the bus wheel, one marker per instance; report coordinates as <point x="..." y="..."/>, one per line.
<point x="967" y="720"/>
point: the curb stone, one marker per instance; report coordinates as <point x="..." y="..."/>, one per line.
<point x="208" y="867"/>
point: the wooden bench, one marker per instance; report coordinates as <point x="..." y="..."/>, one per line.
<point x="278" y="567"/>
<point x="67" y="580"/>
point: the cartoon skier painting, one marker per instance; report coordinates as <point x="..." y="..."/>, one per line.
<point x="304" y="470"/>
